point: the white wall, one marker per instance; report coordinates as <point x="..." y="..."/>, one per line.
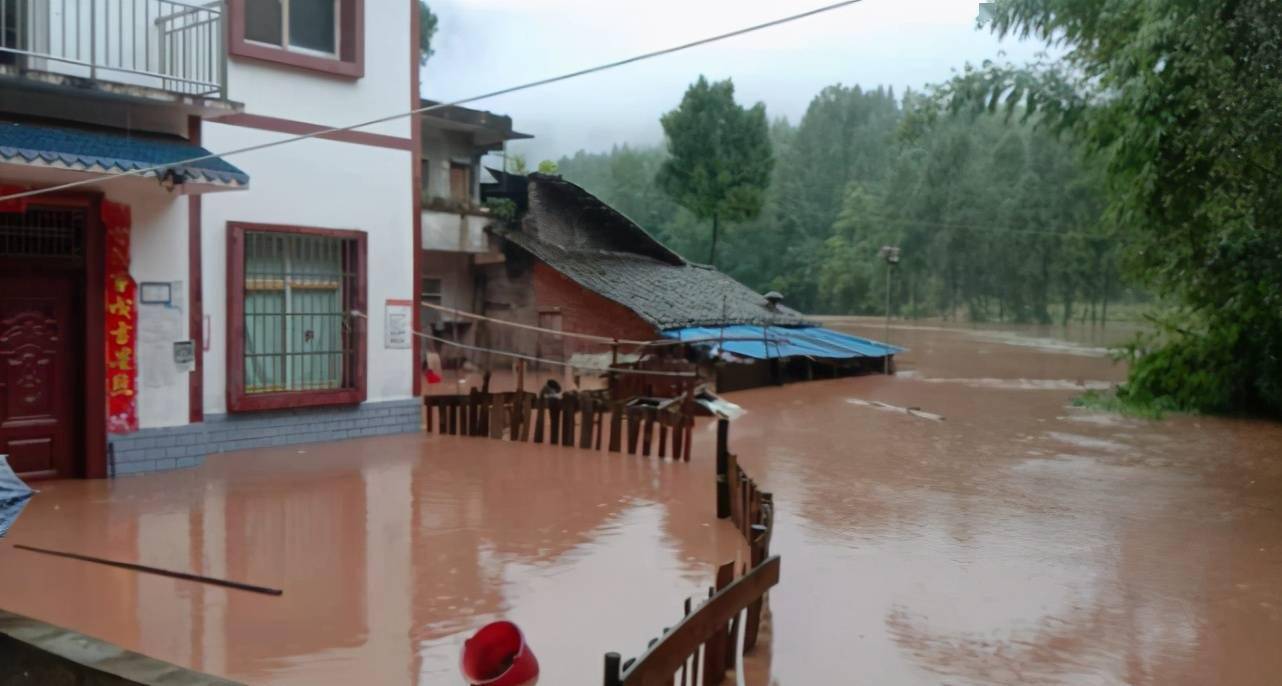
<point x="277" y="90"/>
<point x="325" y="184"/>
<point x="456" y="232"/>
<point x="322" y="183"/>
<point x="158" y="253"/>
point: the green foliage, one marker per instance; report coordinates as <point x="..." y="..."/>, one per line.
<point x="1109" y="401"/>
<point x="998" y="219"/>
<point x="1181" y="103"/>
<point x="516" y="164"/>
<point x="719" y="159"/>
<point x="503" y="208"/>
<point x="427" y="25"/>
<point x="548" y="167"/>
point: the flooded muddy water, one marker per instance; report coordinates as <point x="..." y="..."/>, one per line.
<point x="1019" y="540"/>
<point x="390" y="552"/>
<point x="991" y="535"/>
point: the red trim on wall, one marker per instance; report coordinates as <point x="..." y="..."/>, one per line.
<point x="95" y="426"/>
<point x="237" y="399"/>
<point x="196" y="297"/>
<point x="350" y="62"/>
<point x="299" y="128"/>
<point x="416" y="192"/>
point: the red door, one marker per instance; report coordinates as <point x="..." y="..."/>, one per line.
<point x="38" y="427"/>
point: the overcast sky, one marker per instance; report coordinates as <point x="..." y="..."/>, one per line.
<point x="484" y="45"/>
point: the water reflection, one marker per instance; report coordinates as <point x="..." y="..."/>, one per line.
<point x="390" y="552"/>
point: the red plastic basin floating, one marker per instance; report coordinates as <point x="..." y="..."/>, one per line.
<point x="497" y="655"/>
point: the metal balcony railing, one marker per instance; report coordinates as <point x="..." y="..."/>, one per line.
<point x="174" y="46"/>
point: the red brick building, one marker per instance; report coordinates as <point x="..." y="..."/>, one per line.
<point x="573" y="263"/>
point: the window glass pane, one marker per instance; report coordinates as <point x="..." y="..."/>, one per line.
<point x="264" y="313"/>
<point x="312" y="24"/>
<point x="263" y="21"/>
<point x="295" y="313"/>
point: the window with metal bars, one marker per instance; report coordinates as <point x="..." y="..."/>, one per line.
<point x="294" y="339"/>
<point x="42" y="232"/>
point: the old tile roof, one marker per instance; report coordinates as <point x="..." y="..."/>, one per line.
<point x="668" y="293"/>
<point x="110" y="151"/>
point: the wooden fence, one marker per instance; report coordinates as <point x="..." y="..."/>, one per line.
<point x="587" y="419"/>
<point x="714" y="636"/>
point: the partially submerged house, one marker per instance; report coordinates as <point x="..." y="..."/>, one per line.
<point x="573" y="263"/>
<point x="455" y="242"/>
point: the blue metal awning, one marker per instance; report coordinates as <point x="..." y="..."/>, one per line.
<point x="112" y="152"/>
<point x="771" y="342"/>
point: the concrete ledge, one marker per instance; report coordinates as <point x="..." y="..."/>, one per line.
<point x="33" y="652"/>
<point x="161" y="449"/>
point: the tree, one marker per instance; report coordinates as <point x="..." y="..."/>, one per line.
<point x="516" y="164"/>
<point x="719" y="156"/>
<point x="1182" y="102"/>
<point x="427" y="25"/>
<point x="547" y="167"/>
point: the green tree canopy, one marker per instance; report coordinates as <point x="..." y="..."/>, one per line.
<point x="1182" y="101"/>
<point x="720" y="157"/>
<point x="427" y="25"/>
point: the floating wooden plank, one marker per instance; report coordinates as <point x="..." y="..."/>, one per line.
<point x="225" y="583"/>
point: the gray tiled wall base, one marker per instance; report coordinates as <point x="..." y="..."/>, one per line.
<point x="153" y="450"/>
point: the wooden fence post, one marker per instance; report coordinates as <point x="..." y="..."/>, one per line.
<point x="554" y="420"/>
<point x="540" y="403"/>
<point x="569" y="407"/>
<point x="616" y="426"/>
<point x="723" y="468"/>
<point x="585" y="431"/>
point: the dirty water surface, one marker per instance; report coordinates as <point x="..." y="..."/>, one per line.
<point x="1018" y="540"/>
<point x="959" y="523"/>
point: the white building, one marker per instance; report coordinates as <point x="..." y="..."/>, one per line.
<point x="233" y="326"/>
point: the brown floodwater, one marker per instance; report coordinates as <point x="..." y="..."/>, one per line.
<point x="1017" y="540"/>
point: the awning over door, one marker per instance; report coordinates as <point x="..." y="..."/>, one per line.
<point x="769" y="342"/>
<point x="114" y="152"/>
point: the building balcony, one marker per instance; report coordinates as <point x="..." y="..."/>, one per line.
<point x="161" y="51"/>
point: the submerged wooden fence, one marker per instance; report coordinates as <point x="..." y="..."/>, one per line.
<point x="587" y="419"/>
<point x="714" y="636"/>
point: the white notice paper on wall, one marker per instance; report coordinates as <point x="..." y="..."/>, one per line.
<point x="396" y="325"/>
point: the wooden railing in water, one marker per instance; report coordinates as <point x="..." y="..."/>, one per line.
<point x="715" y="636"/>
<point x="572" y="419"/>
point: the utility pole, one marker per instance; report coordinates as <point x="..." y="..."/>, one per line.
<point x="891" y="255"/>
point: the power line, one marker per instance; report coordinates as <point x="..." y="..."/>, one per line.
<point x="502" y="91"/>
<point x="532" y="358"/>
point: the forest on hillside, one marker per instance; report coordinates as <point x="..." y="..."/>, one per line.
<point x="996" y="218"/>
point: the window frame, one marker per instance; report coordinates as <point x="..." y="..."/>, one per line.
<point x="349" y="62"/>
<point x="240" y="401"/>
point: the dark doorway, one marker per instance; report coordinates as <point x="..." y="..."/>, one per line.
<point x="41" y="316"/>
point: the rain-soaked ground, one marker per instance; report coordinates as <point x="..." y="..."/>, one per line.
<point x="1017" y="540"/>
